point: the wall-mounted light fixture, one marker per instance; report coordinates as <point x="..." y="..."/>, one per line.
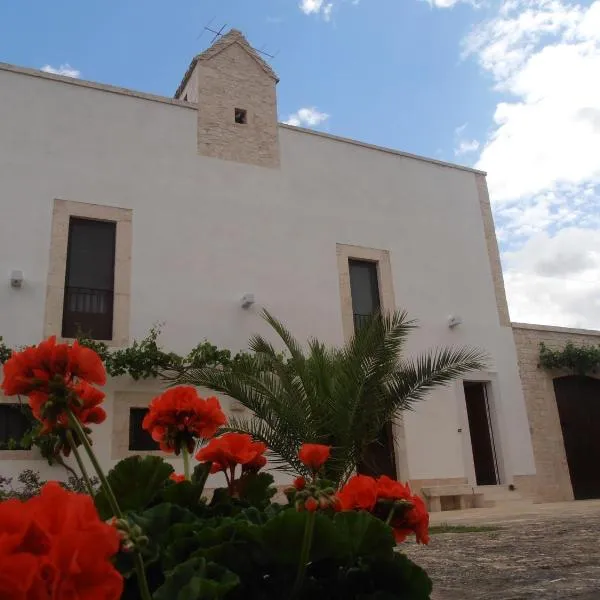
<point x="454" y="321"/>
<point x="16" y="279"/>
<point x="247" y="300"/>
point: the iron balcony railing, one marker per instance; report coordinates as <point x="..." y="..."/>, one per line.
<point x="88" y="311"/>
<point x="361" y="320"/>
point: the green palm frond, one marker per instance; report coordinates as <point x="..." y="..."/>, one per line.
<point x="342" y="397"/>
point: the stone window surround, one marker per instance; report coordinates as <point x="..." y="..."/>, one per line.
<point x="344" y="253"/>
<point x="63" y="210"/>
<point x="122" y="403"/>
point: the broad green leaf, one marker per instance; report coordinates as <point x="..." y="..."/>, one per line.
<point x="364" y="535"/>
<point x="256" y="488"/>
<point x="401" y="577"/>
<point x="134" y="481"/>
<point x="196" y="579"/>
<point x="283" y="536"/>
<point x="158" y="522"/>
<point x="184" y="493"/>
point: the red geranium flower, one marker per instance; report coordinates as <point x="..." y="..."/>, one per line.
<point x="178" y="417"/>
<point x="414" y="520"/>
<point x="259" y="460"/>
<point x="392" y="490"/>
<point x="311" y="505"/>
<point x="57" y="378"/>
<point x="176" y="477"/>
<point x="34" y="368"/>
<point x="55" y="547"/>
<point x="299" y="483"/>
<point x="314" y="455"/>
<point x="86" y="364"/>
<point x="230" y="450"/>
<point x="359" y="493"/>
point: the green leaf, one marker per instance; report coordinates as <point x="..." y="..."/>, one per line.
<point x="401" y="577"/>
<point x="256" y="488"/>
<point x="364" y="535"/>
<point x="202" y="539"/>
<point x="157" y="522"/>
<point x="134" y="481"/>
<point x="184" y="493"/>
<point x="197" y="580"/>
<point x="283" y="536"/>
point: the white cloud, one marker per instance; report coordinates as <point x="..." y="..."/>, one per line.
<point x="307" y="117"/>
<point x="545" y="56"/>
<point x="556" y="279"/>
<point x="450" y="3"/>
<point x="542" y="155"/>
<point x="319" y="7"/>
<point x="463" y="145"/>
<point x="309" y="7"/>
<point x="67" y="70"/>
<point x="466" y="147"/>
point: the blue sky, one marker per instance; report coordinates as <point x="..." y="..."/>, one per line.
<point x="509" y="86"/>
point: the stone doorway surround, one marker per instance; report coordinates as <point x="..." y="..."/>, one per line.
<point x="552" y="482"/>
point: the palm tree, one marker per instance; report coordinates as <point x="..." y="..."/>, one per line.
<point x="342" y="397"/>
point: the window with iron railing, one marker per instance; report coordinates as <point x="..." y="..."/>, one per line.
<point x="139" y="438"/>
<point x="364" y="288"/>
<point x="14" y="424"/>
<point x="89" y="280"/>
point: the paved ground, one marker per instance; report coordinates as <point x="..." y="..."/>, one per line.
<point x="541" y="552"/>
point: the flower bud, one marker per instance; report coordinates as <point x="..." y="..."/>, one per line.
<point x="311" y="505"/>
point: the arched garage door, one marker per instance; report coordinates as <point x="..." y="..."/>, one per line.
<point x="578" y="400"/>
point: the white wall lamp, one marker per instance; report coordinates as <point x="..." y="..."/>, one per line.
<point x="247" y="300"/>
<point x="454" y="321"/>
<point x="16" y="279"/>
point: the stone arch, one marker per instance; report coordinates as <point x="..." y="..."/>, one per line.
<point x="578" y="402"/>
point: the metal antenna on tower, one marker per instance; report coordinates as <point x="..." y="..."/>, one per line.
<point x="217" y="33"/>
<point x="264" y="53"/>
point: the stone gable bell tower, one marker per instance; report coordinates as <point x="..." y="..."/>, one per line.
<point x="237" y="102"/>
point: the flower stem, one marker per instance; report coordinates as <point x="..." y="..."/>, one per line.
<point x="304" y="552"/>
<point x="141" y="576"/>
<point x="88" y="448"/>
<point x="137" y="557"/>
<point x="186" y="463"/>
<point x="391" y="515"/>
<point x="86" y="478"/>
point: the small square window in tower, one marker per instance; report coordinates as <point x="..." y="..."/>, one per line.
<point x="241" y="116"/>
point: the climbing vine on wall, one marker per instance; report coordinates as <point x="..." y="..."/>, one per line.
<point x="581" y="360"/>
<point x="143" y="359"/>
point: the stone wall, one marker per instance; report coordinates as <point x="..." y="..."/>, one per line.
<point x="553" y="482"/>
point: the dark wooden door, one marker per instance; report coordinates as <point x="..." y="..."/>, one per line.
<point x="482" y="438"/>
<point x="379" y="458"/>
<point x="578" y="400"/>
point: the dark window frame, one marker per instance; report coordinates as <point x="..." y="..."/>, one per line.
<point x="240" y="116"/>
<point x="96" y="319"/>
<point x="139" y="439"/>
<point x="360" y="319"/>
<point x="13" y="432"/>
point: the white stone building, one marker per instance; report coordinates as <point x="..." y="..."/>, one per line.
<point x="125" y="209"/>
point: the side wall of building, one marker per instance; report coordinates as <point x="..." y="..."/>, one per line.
<point x="552" y="482"/>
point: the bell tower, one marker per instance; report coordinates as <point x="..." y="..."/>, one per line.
<point x="234" y="89"/>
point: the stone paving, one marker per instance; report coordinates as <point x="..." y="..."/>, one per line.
<point x="541" y="552"/>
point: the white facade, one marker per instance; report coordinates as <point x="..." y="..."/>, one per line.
<point x="206" y="231"/>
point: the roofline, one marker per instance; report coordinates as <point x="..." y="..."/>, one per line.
<point x="186" y="78"/>
<point x="112" y="89"/>
<point x="103" y="87"/>
<point x="556" y="329"/>
<point x="346" y="140"/>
